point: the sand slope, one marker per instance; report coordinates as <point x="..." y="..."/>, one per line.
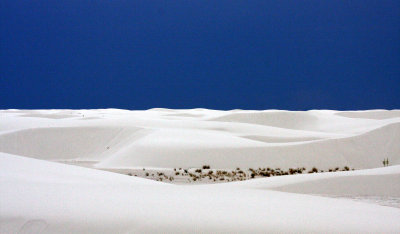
<point x="167" y="138"/>
<point x="45" y="197"/>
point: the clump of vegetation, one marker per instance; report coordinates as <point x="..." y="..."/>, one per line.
<point x="385" y="162"/>
<point x="313" y="170"/>
<point x="207" y="175"/>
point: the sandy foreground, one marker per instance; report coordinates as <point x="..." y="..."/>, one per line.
<point x="57" y="171"/>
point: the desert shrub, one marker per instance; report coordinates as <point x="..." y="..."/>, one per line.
<point x="237" y="168"/>
<point x="186" y="171"/>
<point x="314" y="169"/>
<point x="252" y="175"/>
<point x="266" y="174"/>
<point x="300" y="170"/>
<point x="177" y="173"/>
<point x="206" y="167"/>
<point x="129" y="174"/>
<point x="272" y="172"/>
<point x="346" y="168"/>
<point x="210" y="172"/>
<point x="147" y="174"/>
<point x="198" y="170"/>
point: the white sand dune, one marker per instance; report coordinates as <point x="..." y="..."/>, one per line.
<point x="57" y="198"/>
<point x="123" y="139"/>
<point x="170" y="148"/>
<point x="86" y="143"/>
<point x="282" y="119"/>
<point x="371" y="182"/>
<point x="377" y="114"/>
<point x="54" y="198"/>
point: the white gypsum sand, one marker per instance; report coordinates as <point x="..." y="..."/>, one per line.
<point x="49" y="197"/>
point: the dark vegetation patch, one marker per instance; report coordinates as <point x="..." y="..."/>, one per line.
<point x="207" y="174"/>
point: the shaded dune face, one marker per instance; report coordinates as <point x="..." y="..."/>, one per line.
<point x="66" y="143"/>
<point x="379" y="114"/>
<point x="268" y="139"/>
<point x="291" y="120"/>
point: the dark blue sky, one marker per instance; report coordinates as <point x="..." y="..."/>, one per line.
<point x="214" y="54"/>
